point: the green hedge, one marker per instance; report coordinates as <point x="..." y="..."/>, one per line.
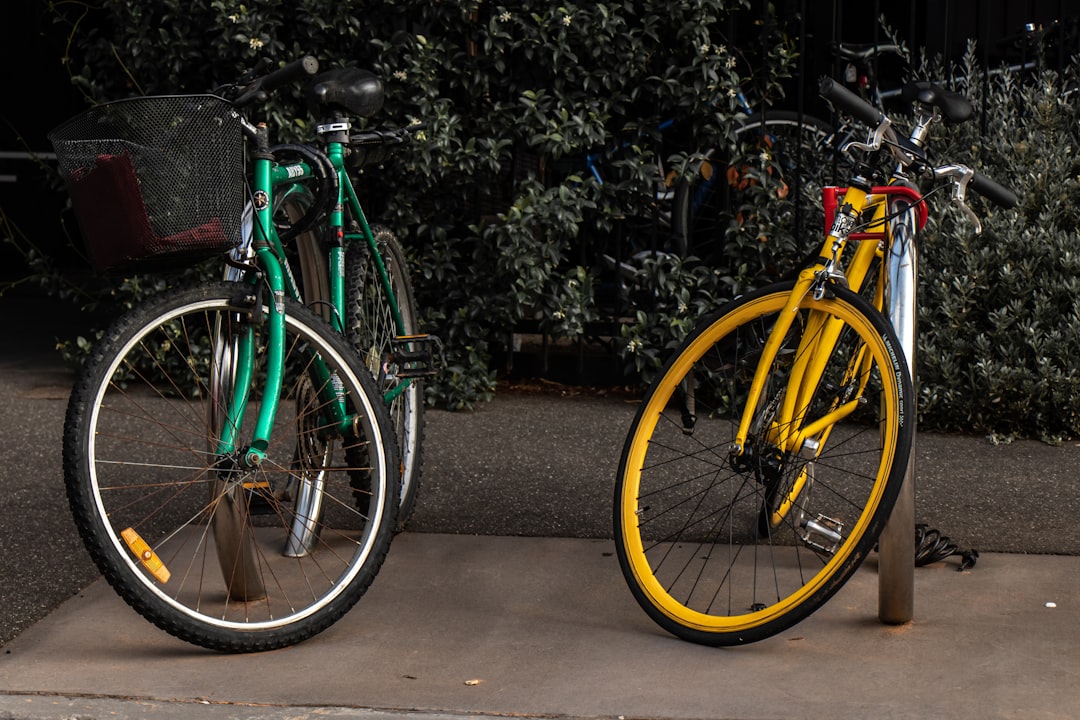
<point x="501" y="220"/>
<point x="503" y="225"/>
<point x="999" y="323"/>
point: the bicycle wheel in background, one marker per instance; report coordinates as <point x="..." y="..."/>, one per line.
<point x="371" y="325"/>
<point x="800" y="162"/>
<point x="369" y="322"/>
<point x="224" y="557"/>
<point x="724" y="550"/>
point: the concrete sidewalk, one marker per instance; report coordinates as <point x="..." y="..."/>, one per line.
<point x="545" y="627"/>
<point x="505" y="598"/>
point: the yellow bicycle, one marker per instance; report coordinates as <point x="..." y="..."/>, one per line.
<point x="766" y="457"/>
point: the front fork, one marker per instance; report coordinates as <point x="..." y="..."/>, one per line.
<point x="233" y="378"/>
<point x="817" y="339"/>
<point x="790" y="433"/>
<point x="243" y="365"/>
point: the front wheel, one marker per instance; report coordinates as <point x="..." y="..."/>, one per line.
<point x="722" y="547"/>
<point x="212" y="549"/>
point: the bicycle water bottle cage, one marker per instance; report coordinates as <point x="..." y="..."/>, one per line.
<point x="351" y="90"/>
<point x="954" y="107"/>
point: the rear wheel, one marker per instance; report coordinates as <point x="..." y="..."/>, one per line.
<point x="372" y="321"/>
<point x="215" y="551"/>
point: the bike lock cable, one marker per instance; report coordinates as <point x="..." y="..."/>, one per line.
<point x="325" y="191"/>
<point x="931" y="547"/>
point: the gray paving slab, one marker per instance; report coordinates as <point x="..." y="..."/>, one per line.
<point x="545" y="627"/>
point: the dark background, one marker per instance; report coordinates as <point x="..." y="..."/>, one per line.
<point x="37" y="93"/>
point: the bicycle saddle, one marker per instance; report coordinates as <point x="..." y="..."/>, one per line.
<point x="953" y="106"/>
<point x="351" y="90"/>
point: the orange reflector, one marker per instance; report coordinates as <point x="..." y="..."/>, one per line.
<point x="146" y="556"/>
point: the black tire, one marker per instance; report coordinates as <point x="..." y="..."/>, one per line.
<point x="254" y="559"/>
<point x="726" y="548"/>
<point x="800" y="163"/>
<point x="370" y="325"/>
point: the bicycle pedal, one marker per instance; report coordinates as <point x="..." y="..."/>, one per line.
<point x="416" y="355"/>
<point x="823" y="534"/>
<point x="258" y="497"/>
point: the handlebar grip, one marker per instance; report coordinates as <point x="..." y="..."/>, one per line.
<point x="848" y="102"/>
<point x="294" y="71"/>
<point x="990" y="190"/>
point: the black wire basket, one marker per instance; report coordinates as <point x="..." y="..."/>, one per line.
<point x="155" y="182"/>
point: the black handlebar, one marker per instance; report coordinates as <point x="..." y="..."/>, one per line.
<point x="295" y="71"/>
<point x="848" y="102"/>
<point x="990" y="190"/>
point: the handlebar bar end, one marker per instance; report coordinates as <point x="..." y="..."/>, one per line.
<point x="848" y="102"/>
<point x="989" y="189"/>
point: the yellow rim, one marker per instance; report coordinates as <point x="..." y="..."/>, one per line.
<point x="646" y="426"/>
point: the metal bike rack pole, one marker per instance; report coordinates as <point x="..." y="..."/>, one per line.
<point x="896" y="545"/>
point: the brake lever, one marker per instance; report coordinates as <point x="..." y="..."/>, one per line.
<point x="874" y="139"/>
<point x="960" y="177"/>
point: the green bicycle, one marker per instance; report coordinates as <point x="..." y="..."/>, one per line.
<point x="354" y="274"/>
<point x="229" y="459"/>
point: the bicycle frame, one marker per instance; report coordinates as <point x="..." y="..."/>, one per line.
<point x="894" y="232"/>
<point x="273" y="181"/>
<point x="273" y="268"/>
<point x="282" y="177"/>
